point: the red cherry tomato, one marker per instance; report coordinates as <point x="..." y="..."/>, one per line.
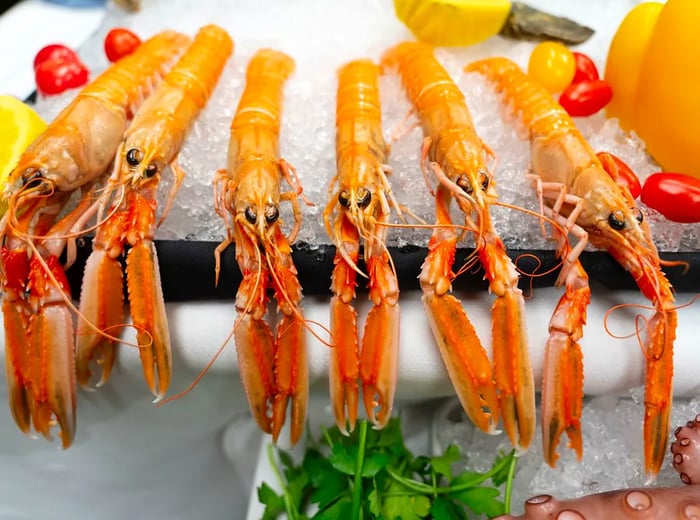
<point x="120" y="42"/>
<point x="585" y="68"/>
<point x="675" y="195"/>
<point x="621" y="173"/>
<point x="56" y="76"/>
<point x="54" y="52"/>
<point x="586" y="97"/>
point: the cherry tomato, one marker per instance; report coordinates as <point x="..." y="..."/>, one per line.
<point x="553" y="65"/>
<point x="621" y="173"/>
<point x="56" y="76"/>
<point x="120" y="42"/>
<point x="586" y="97"/>
<point x="54" y="52"/>
<point x="585" y="68"/>
<point x="675" y="195"/>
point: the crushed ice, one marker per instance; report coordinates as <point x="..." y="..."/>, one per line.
<point x="332" y="34"/>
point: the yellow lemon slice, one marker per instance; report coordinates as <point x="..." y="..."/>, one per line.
<point x="453" y="23"/>
<point x="20" y="126"/>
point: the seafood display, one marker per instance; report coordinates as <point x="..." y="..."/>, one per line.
<point x="248" y="194"/>
<point x="360" y="205"/>
<point x="116" y="162"/>
<point x="571" y="180"/>
<point x="72" y="154"/>
<point x="458" y="159"/>
<point x="682" y="502"/>
<point x="127" y="217"/>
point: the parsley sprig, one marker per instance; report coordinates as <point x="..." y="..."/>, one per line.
<point x="370" y="474"/>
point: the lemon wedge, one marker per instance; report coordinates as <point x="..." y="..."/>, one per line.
<point x="453" y="23"/>
<point x="20" y="126"/>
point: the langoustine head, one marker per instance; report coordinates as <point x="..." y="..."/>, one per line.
<point x="615" y="223"/>
<point x="256" y="200"/>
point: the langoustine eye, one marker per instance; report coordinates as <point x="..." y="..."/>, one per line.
<point x="363" y="197"/>
<point x="251" y="215"/>
<point x="638" y="215"/>
<point x="484" y="179"/>
<point x="134" y="157"/>
<point x="463" y="182"/>
<point x="271" y="213"/>
<point x="150" y="170"/>
<point x="616" y="219"/>
<point x="32" y="178"/>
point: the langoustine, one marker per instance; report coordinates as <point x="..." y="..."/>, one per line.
<point x="458" y="160"/>
<point x="360" y="205"/>
<point x="72" y="154"/>
<point x="649" y="503"/>
<point x="127" y="217"/>
<point x="574" y="184"/>
<point x="248" y="194"/>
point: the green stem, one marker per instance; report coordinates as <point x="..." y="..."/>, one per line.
<point x="357" y="485"/>
<point x="426" y="489"/>
<point x="509" y="484"/>
<point x="292" y="512"/>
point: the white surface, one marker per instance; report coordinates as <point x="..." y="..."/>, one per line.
<point x="612" y="365"/>
<point x="32" y="24"/>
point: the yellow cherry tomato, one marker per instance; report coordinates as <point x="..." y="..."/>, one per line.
<point x="553" y="65"/>
<point x="625" y="56"/>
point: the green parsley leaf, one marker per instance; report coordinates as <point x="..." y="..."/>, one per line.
<point x="274" y="503"/>
<point x="446" y="509"/>
<point x="391" y="484"/>
<point x="481" y="500"/>
<point x="399" y="502"/>
<point x="327" y="486"/>
<point x="341" y="508"/>
<point x="501" y="475"/>
<point x="442" y="465"/>
<point x="344" y="458"/>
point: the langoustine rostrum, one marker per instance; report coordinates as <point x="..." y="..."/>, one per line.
<point x="680" y="502"/>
